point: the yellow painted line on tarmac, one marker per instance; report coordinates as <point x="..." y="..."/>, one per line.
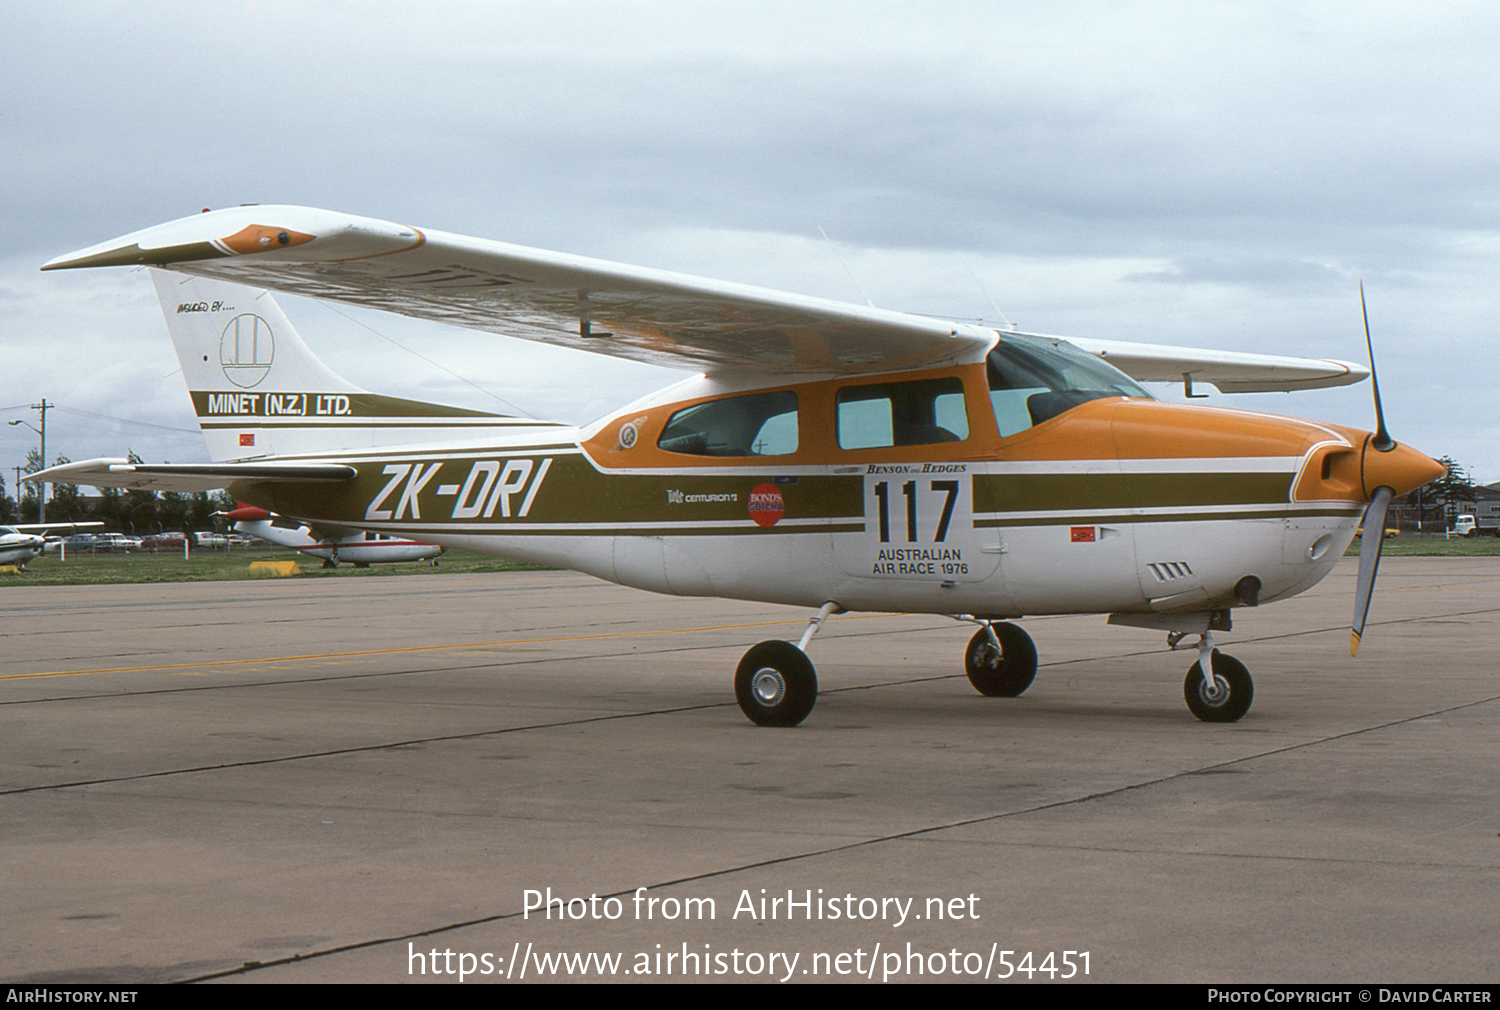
<point x="420" y="648"/>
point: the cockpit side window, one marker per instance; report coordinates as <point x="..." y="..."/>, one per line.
<point x="921" y="412"/>
<point x="1033" y="380"/>
<point x="759" y="424"/>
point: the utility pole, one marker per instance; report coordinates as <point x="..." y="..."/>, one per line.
<point x="41" y="505"/>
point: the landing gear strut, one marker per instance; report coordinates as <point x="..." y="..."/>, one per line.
<point x="1224" y="697"/>
<point x="1000" y="660"/>
<point x="775" y="683"/>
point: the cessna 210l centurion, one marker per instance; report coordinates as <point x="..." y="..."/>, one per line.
<point x="829" y="456"/>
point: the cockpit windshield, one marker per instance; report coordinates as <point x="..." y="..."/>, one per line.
<point x="1033" y="379"/>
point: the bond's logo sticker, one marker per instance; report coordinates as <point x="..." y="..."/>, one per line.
<point x="628" y="435"/>
<point x="246" y="349"/>
<point x="766" y="506"/>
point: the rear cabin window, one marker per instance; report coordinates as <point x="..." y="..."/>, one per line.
<point x="760" y="424"/>
<point x="922" y="412"/>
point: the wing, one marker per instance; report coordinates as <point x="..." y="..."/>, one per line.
<point x="631" y="312"/>
<point x="608" y="308"/>
<point x="186" y="478"/>
<point x="1230" y="371"/>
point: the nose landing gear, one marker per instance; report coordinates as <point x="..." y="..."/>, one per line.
<point x="1225" y="696"/>
<point x="1000" y="660"/>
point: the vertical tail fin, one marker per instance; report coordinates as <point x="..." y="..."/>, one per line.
<point x="259" y="390"/>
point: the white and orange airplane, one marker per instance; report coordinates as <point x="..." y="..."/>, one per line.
<point x="359" y="548"/>
<point x="828" y="456"/>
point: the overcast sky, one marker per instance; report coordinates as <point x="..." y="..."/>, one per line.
<point x="1217" y="175"/>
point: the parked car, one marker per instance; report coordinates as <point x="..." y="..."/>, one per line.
<point x="117" y="542"/>
<point x="79" y="542"/>
<point x="164" y="541"/>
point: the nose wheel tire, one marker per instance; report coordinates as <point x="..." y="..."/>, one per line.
<point x="1227" y="697"/>
<point x="1002" y="673"/>
<point x="776" y="685"/>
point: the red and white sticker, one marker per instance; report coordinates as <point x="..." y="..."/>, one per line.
<point x="1083" y="534"/>
<point x="766" y="506"/>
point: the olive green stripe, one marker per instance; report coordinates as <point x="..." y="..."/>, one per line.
<point x="750" y="530"/>
<point x="1167" y="517"/>
<point x="1032" y="492"/>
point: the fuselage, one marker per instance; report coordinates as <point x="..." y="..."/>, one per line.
<point x="926" y="491"/>
<point x="17" y="548"/>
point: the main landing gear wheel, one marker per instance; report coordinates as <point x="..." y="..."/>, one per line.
<point x="1002" y="673"/>
<point x="775" y="684"/>
<point x="1227" y="698"/>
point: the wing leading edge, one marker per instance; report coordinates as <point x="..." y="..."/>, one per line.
<point x="592" y="305"/>
<point x="632" y="312"/>
<point x="1230" y="371"/>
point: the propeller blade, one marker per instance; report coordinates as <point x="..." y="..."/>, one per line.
<point x="1383" y="441"/>
<point x="1369" y="562"/>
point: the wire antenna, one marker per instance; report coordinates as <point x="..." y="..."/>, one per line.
<point x="845" y="266"/>
<point x="468" y="382"/>
<point x="978" y="284"/>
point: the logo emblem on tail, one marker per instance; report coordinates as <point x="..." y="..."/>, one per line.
<point x="246" y="349"/>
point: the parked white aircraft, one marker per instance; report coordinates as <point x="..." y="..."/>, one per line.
<point x="359" y="548"/>
<point x="17" y="546"/>
<point x="830" y="456"/>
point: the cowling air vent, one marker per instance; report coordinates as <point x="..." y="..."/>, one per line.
<point x="1166" y="571"/>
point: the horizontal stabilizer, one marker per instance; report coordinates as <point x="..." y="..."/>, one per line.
<point x="187" y="478"/>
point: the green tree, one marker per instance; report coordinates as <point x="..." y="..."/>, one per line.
<point x="139" y="506"/>
<point x="66" y="504"/>
<point x="111" y="507"/>
<point x="172" y="510"/>
<point x="204" y="505"/>
<point x="1454" y="488"/>
<point x="30" y="502"/>
<point x="1447" y="496"/>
